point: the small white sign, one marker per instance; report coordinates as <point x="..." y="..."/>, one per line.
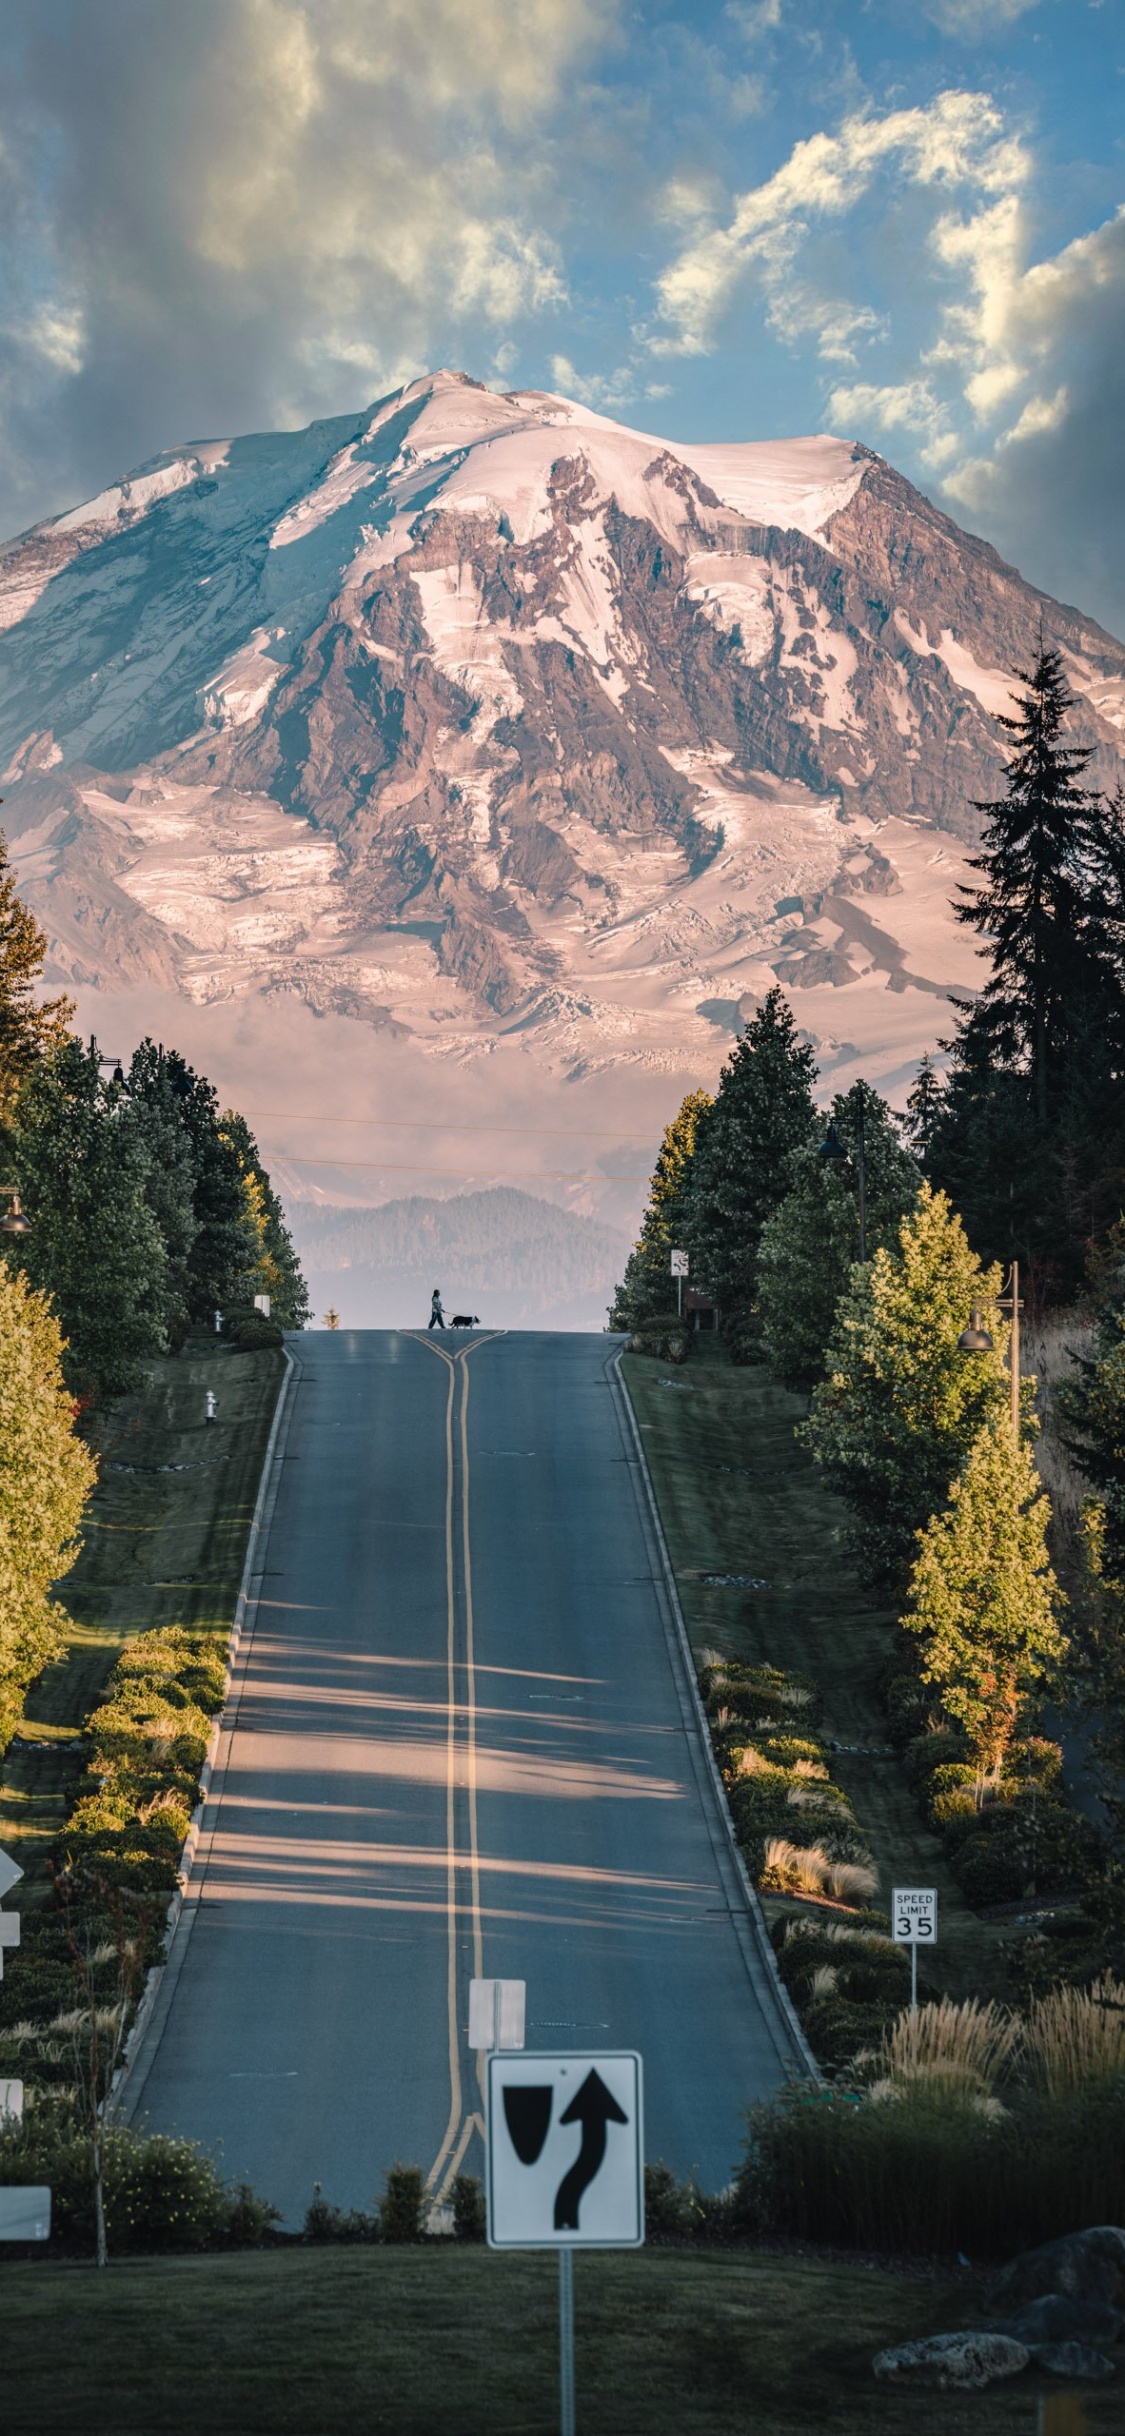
<point x="11" y="2101"/>
<point x="497" y="2011"/>
<point x="565" y="2152"/>
<point x="262" y="1304"/>
<point x="10" y="1874"/>
<point x="914" y="1915"/>
<point x="679" y="1264"/>
<point x="25" y="2212"/>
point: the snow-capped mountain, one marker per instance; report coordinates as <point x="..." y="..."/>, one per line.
<point x="499" y="727"/>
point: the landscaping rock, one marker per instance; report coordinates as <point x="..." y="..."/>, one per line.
<point x="1072" y="2360"/>
<point x="968" y="2360"/>
<point x="1087" y="2266"/>
<point x="1055" y="2318"/>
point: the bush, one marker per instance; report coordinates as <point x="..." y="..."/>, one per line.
<point x="664" y="1335"/>
<point x="404" y="2206"/>
<point x="160" y="2193"/>
<point x="326" y="2223"/>
<point x="932" y="2172"/>
<point x="468" y="2208"/>
<point x="252" y="1332"/>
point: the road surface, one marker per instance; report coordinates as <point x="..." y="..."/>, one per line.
<point x="460" y="1741"/>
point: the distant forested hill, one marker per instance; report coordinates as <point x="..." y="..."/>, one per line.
<point x="516" y="1260"/>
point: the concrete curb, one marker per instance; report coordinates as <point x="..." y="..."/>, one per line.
<point x="754" y="1919"/>
<point x="128" y="2083"/>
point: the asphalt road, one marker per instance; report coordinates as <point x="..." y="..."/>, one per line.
<point x="460" y="1741"/>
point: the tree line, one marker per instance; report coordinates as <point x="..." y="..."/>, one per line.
<point x="148" y="1209"/>
<point x="1015" y="1151"/>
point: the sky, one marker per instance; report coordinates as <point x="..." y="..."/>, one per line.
<point x="898" y="220"/>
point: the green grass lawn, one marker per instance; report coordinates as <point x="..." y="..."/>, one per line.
<point x="461" y="2341"/>
<point x="737" y="1494"/>
<point x="160" y="1546"/>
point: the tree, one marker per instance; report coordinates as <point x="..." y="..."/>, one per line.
<point x="808" y="1247"/>
<point x="156" y="1110"/>
<point x="923" y="1109"/>
<point x="900" y="1406"/>
<point x="95" y="1246"/>
<point x="46" y="1475"/>
<point x="647" y="1286"/>
<point x="1051" y="866"/>
<point x="983" y="1598"/>
<point x="275" y="1270"/>
<point x="225" y="1246"/>
<point x="28" y="1029"/>
<point x="744" y="1143"/>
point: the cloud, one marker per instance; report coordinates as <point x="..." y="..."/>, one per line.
<point x="604" y="391"/>
<point x="973" y="20"/>
<point x="222" y="214"/>
<point x="958" y="141"/>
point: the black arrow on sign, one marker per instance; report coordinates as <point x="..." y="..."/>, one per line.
<point x="593" y="2106"/>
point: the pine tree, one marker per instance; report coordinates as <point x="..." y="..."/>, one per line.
<point x="224" y="1249"/>
<point x="46" y="1475"/>
<point x="275" y="1270"/>
<point x="1048" y="860"/>
<point x="648" y="1286"/>
<point x="900" y="1405"/>
<point x="28" y="1029"/>
<point x="744" y="1143"/>
<point x="95" y="1246"/>
<point x="810" y="1244"/>
<point x="924" y="1108"/>
<point x="983" y="1598"/>
<point x="156" y="1110"/>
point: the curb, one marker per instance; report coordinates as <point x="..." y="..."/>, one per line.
<point x="689" y="1691"/>
<point x="124" y="2098"/>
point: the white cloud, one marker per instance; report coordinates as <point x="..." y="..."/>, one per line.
<point x="973" y="19"/>
<point x="958" y="141"/>
<point x="606" y="392"/>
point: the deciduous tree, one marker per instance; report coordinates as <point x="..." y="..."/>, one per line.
<point x="46" y="1475"/>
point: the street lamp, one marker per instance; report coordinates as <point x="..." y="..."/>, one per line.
<point x="832" y="1148"/>
<point x="13" y="1221"/>
<point x="976" y="1339"/>
<point x="118" y="1074"/>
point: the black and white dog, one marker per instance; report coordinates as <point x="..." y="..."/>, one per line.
<point x="464" y="1319"/>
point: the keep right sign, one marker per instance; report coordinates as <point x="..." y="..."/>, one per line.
<point x="914" y="1915"/>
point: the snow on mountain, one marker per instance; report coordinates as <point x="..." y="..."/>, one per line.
<point x="531" y="744"/>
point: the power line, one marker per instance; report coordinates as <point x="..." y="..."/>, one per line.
<point x="297" y="1116"/>
<point x="400" y="1167"/>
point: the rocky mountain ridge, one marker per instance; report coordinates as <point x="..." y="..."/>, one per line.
<point x="503" y="729"/>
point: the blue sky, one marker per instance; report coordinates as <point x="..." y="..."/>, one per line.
<point x="898" y="219"/>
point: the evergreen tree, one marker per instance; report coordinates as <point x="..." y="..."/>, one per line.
<point x="224" y="1249"/>
<point x="744" y="1144"/>
<point x="983" y="1598"/>
<point x="648" y="1287"/>
<point x="924" y="1109"/>
<point x="156" y="1110"/>
<point x="276" y="1270"/>
<point x="900" y="1406"/>
<point x="46" y="1475"/>
<point x="809" y="1245"/>
<point x="28" y="1029"/>
<point x="95" y="1246"/>
<point x="1050" y="867"/>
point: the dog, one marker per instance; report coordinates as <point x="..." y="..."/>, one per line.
<point x="464" y="1319"/>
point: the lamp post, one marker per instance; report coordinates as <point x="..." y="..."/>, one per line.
<point x="118" y="1074"/>
<point x="13" y="1221"/>
<point x="976" y="1339"/>
<point x="832" y="1148"/>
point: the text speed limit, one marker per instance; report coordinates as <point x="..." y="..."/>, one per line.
<point x="914" y="1915"/>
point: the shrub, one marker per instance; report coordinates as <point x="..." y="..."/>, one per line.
<point x="252" y="1332"/>
<point x="326" y="2223"/>
<point x="467" y="2199"/>
<point x="404" y="2206"/>
<point x="809" y="1869"/>
<point x="1075" y="2036"/>
<point x="160" y="2193"/>
<point x="964" y="2047"/>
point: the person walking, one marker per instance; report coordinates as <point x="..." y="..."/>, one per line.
<point x="437" y="1315"/>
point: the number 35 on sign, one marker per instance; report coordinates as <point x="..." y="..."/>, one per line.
<point x="914" y="1915"/>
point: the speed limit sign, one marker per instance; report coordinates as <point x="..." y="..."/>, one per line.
<point x="914" y="1915"/>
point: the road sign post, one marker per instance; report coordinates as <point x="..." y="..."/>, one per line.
<point x="679" y="1272"/>
<point x="565" y="2167"/>
<point x="914" y="1923"/>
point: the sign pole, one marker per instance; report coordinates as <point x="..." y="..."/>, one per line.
<point x="913" y="1978"/>
<point x="566" y="2342"/>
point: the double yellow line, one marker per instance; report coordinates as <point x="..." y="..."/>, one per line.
<point x="463" y="2121"/>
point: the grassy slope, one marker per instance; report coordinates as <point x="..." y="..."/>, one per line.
<point x="768" y="1514"/>
<point x="667" y="2345"/>
<point x="160" y="1547"/>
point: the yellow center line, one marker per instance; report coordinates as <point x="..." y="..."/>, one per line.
<point x="460" y="2127"/>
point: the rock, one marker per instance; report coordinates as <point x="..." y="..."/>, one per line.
<point x="1071" y="2360"/>
<point x="1055" y="2318"/>
<point x="1088" y="2266"/>
<point x="968" y="2360"/>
